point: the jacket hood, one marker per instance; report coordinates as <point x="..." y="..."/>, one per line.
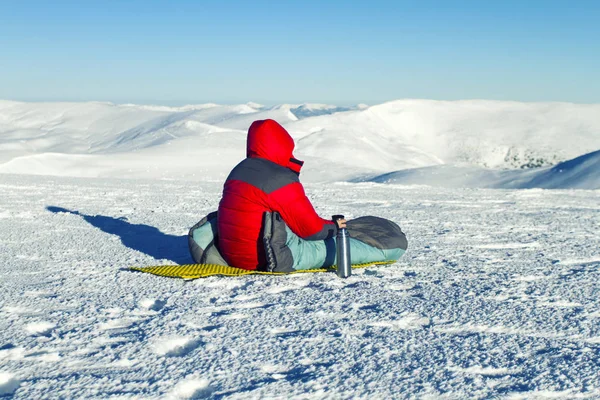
<point x="269" y="140"/>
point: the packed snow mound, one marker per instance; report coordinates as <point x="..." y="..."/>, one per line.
<point x="580" y="173"/>
<point x="204" y="141"/>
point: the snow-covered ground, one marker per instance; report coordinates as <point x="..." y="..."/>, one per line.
<point x="497" y="297"/>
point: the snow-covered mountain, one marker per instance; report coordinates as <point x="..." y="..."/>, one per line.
<point x="582" y="172"/>
<point x="203" y="142"/>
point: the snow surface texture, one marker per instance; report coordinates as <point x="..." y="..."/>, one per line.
<point x="457" y="139"/>
<point x="496" y="297"/>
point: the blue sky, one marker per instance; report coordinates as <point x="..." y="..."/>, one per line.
<point x="341" y="52"/>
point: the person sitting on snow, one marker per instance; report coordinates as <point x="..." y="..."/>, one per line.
<point x="266" y="181"/>
<point x="265" y="222"/>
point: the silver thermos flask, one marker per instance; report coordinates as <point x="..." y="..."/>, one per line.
<point x="344" y="264"/>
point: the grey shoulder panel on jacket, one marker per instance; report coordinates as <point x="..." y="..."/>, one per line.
<point x="263" y="174"/>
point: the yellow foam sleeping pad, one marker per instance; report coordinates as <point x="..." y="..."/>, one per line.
<point x="195" y="271"/>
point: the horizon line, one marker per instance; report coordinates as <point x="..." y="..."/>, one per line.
<point x="275" y="104"/>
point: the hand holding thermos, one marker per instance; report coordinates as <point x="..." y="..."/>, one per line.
<point x="340" y="222"/>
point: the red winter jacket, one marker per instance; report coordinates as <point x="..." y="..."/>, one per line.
<point x="267" y="180"/>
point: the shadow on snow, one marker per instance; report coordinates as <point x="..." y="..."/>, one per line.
<point x="143" y="238"/>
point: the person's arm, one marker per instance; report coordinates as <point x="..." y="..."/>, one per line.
<point x="299" y="214"/>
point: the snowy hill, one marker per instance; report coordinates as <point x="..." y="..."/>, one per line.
<point x="484" y="133"/>
<point x="580" y="173"/>
<point x="203" y="142"/>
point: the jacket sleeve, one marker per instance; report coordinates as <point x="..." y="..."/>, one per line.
<point x="296" y="210"/>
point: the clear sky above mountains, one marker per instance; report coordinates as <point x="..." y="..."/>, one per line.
<point x="341" y="52"/>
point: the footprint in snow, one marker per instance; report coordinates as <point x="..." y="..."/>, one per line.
<point x="22" y="311"/>
<point x="365" y="307"/>
<point x="280" y="289"/>
<point x="175" y="346"/>
<point x="284" y="332"/>
<point x="251" y="305"/>
<point x="110" y="341"/>
<point x="372" y="272"/>
<point x="529" y="278"/>
<point x="192" y="388"/>
<point x="43" y="328"/>
<point x="124" y="363"/>
<point x="235" y="316"/>
<point x="201" y="325"/>
<point x="276" y="371"/>
<point x="40" y="294"/>
<point x="400" y="287"/>
<point x="409" y="322"/>
<point x="117" y="324"/>
<point x="227" y="284"/>
<point x="476" y="370"/>
<point x="595" y="314"/>
<point x="560" y="304"/>
<point x="245" y="297"/>
<point x="44" y="355"/>
<point x="152" y="304"/>
<point x="7" y="346"/>
<point x="10" y="352"/>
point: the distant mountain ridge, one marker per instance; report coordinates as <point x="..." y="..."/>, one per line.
<point x="338" y="143"/>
